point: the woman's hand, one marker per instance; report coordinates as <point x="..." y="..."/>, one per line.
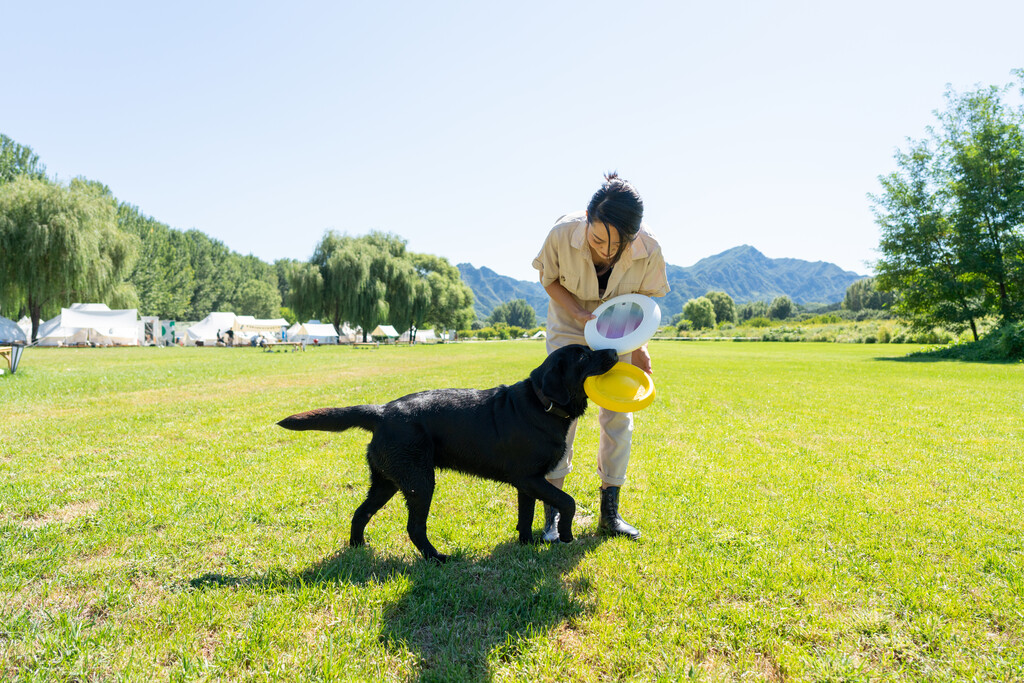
<point x="642" y="359"/>
<point x="583" y="315"/>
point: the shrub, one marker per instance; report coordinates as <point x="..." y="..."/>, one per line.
<point x="884" y="334"/>
<point x="759" y="322"/>
<point x="1011" y="340"/>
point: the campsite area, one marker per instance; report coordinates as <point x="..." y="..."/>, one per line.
<point x="810" y="512"/>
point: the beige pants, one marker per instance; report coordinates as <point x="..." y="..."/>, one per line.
<point x="614" y="441"/>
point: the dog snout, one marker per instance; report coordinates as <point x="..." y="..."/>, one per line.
<point x="607" y="358"/>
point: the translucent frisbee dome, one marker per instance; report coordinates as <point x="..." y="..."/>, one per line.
<point x="623" y="324"/>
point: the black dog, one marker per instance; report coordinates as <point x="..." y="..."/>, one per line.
<point x="514" y="434"/>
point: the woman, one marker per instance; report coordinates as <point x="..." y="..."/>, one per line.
<point x="588" y="258"/>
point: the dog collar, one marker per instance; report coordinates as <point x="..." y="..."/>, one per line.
<point x="549" y="405"/>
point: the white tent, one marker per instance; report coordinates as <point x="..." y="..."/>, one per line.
<point x="349" y="335"/>
<point x="11" y="333"/>
<point x="384" y="331"/>
<point x="91" y="324"/>
<point x="422" y="336"/>
<point x="26" y="326"/>
<point x="313" y="333"/>
<point x="207" y="329"/>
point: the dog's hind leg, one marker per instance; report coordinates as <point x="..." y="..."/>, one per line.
<point x="381" y="491"/>
<point x="419" y="491"/>
<point x="527" y="503"/>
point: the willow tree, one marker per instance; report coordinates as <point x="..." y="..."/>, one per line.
<point x="451" y="299"/>
<point x="18" y="160"/>
<point x="59" y="245"/>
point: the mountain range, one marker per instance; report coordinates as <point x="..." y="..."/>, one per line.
<point x="742" y="272"/>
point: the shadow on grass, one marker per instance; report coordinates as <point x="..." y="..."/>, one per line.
<point x="459" y="616"/>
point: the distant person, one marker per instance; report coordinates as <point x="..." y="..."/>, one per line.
<point x="587" y="258"/>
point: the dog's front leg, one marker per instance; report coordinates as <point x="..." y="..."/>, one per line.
<point x="525" y="525"/>
<point x="543" y="490"/>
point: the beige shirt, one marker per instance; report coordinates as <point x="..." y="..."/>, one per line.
<point x="565" y="257"/>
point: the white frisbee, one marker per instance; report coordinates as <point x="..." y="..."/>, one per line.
<point x="623" y="324"/>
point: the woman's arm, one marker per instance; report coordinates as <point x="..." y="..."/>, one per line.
<point x="563" y="298"/>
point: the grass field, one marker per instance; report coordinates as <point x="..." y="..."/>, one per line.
<point x="809" y="511"/>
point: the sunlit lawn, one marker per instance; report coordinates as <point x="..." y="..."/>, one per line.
<point x="809" y="511"/>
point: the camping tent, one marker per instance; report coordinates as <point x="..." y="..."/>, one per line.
<point x="204" y="332"/>
<point x="313" y="333"/>
<point x="91" y="324"/>
<point x="10" y="332"/>
<point x="385" y="331"/>
<point x="349" y="335"/>
<point x="422" y="336"/>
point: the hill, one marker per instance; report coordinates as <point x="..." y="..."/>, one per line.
<point x="742" y="272"/>
<point x="490" y="290"/>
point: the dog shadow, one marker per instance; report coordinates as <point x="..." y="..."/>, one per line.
<point x="458" y="617"/>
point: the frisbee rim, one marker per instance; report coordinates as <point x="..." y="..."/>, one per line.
<point x="635" y="339"/>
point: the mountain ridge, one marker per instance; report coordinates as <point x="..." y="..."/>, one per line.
<point x="742" y="272"/>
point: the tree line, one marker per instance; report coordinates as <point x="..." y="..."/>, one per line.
<point x="62" y="243"/>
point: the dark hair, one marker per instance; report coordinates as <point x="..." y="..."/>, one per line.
<point x="617" y="204"/>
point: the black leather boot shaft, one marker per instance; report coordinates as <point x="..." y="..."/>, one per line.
<point x="611" y="522"/>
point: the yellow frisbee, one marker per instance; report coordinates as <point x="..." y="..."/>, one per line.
<point x="625" y="389"/>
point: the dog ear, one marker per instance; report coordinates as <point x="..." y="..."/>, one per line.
<point x="554" y="382"/>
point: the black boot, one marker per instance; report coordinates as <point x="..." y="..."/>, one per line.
<point x="611" y="523"/>
<point x="550" y="534"/>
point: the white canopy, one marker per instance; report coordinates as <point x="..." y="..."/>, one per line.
<point x="91" y="323"/>
<point x="207" y="329"/>
<point x="250" y="325"/>
<point x="384" y="331"/>
<point x="422" y="336"/>
<point x="313" y="333"/>
<point x="10" y="332"/>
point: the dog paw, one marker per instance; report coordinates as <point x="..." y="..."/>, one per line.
<point x="438" y="558"/>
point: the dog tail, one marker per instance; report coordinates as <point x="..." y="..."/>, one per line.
<point x="335" y="419"/>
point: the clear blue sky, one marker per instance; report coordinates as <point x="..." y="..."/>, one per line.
<point x="467" y="128"/>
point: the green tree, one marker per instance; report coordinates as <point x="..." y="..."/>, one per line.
<point x="725" y="308"/>
<point x="258" y="298"/>
<point x="163" y="275"/>
<point x="59" y="245"/>
<point x="780" y="308"/>
<point x="863" y="294"/>
<point x="952" y="217"/>
<point x="17" y="160"/>
<point x="751" y="310"/>
<point x="451" y="299"/>
<point x="305" y="290"/>
<point x="700" y="312"/>
<point x="515" y="313"/>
